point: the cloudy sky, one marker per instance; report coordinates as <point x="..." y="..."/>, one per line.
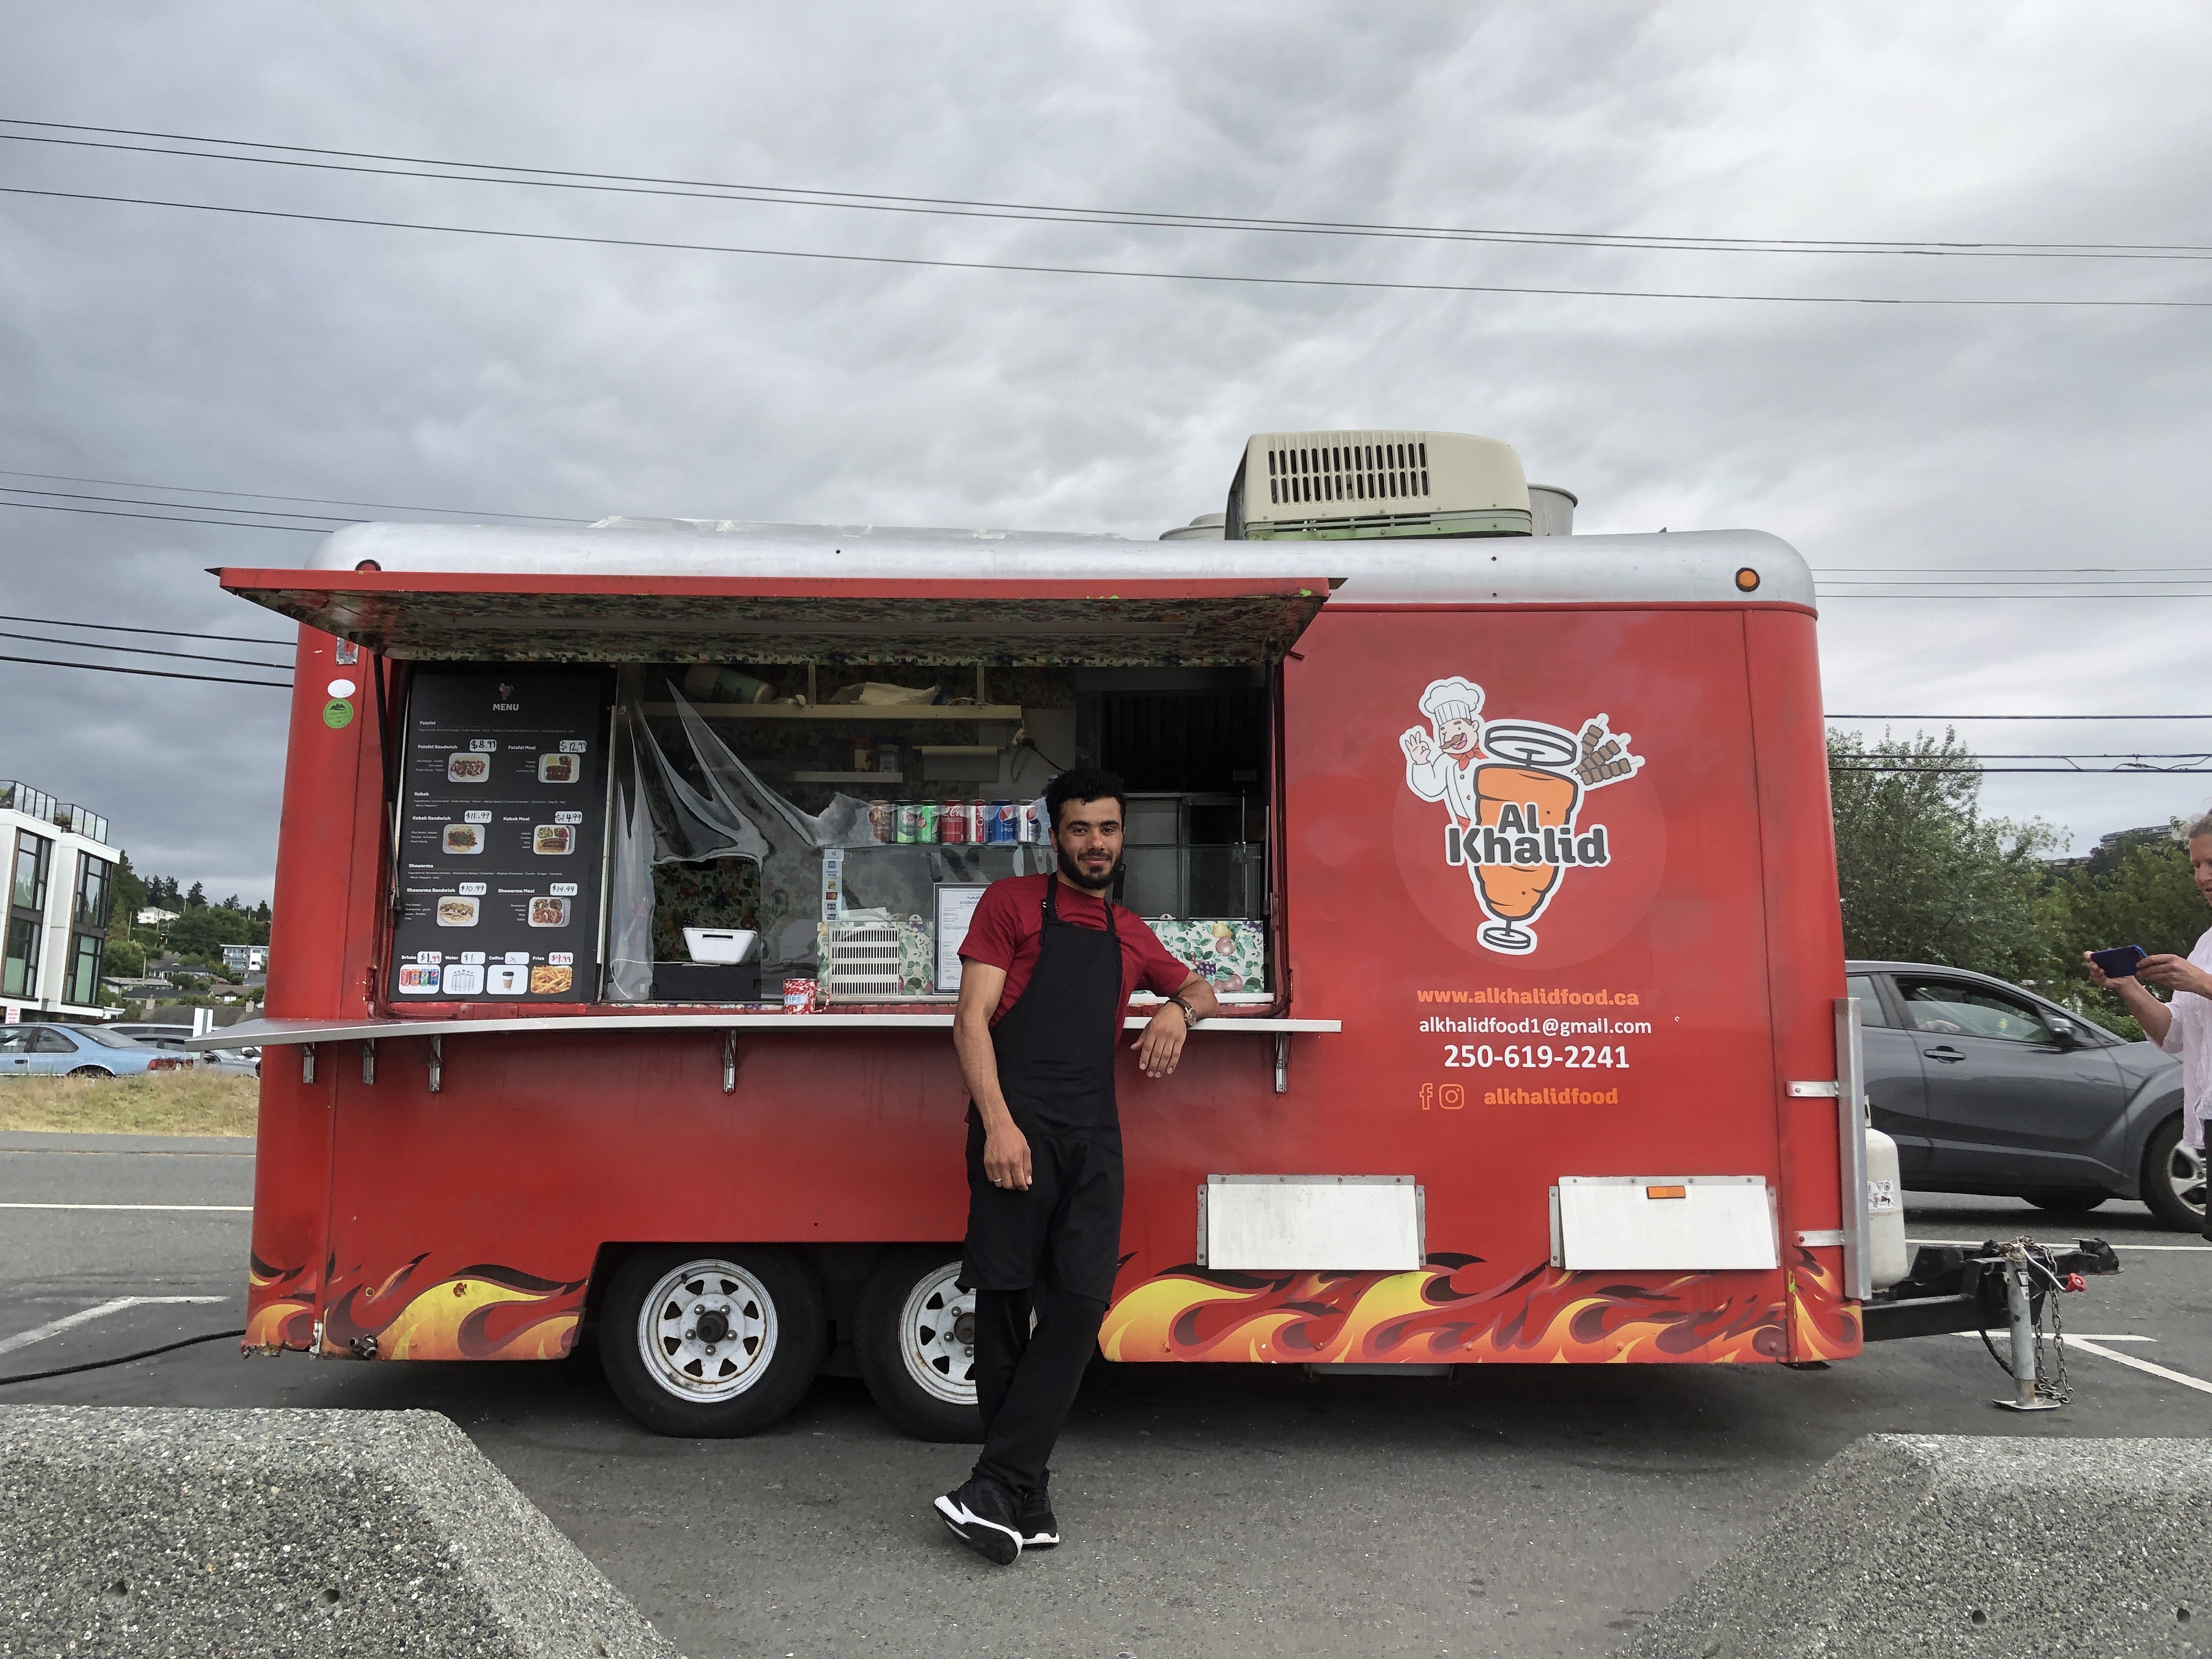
<point x="159" y="346"/>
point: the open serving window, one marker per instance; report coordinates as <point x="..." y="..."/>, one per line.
<point x="767" y="783"/>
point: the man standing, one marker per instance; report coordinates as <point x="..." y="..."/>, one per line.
<point x="1048" y="969"/>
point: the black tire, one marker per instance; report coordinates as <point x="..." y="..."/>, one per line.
<point x="2173" y="1179"/>
<point x="914" y="1335"/>
<point x="2071" y="1200"/>
<point x="759" y="1288"/>
<point x="92" y="1071"/>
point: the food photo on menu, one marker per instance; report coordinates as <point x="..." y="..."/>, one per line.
<point x="553" y="838"/>
<point x="558" y="768"/>
<point x="464" y="838"/>
<point x="454" y="911"/>
<point x="467" y="768"/>
<point x="549" y="913"/>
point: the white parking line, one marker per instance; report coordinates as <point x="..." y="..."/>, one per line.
<point x="24" y="1338"/>
<point x="218" y="1209"/>
<point x="2094" y="1345"/>
<point x="2123" y="1245"/>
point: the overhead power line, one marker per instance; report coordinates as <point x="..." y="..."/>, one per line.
<point x="349" y="160"/>
<point x="912" y="262"/>
<point x="141" y="650"/>
<point x="167" y="518"/>
<point x="168" y="633"/>
<point x="150" y="673"/>
<point x="132" y="500"/>
<point x="312" y="501"/>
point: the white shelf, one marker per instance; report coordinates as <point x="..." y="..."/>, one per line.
<point x="872" y="714"/>
<point x="274" y="1033"/>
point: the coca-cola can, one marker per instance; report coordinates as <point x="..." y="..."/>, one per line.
<point x="952" y="821"/>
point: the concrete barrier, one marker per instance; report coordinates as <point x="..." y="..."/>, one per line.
<point x="132" y="1530"/>
<point x="1928" y="1544"/>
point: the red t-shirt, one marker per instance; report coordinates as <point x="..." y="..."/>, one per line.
<point x="1008" y="928"/>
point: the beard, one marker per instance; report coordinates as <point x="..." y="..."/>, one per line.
<point x="1073" y="874"/>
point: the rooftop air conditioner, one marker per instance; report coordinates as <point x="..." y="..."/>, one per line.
<point x="1344" y="486"/>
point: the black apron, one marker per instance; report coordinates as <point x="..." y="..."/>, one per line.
<point x="1055" y="1049"/>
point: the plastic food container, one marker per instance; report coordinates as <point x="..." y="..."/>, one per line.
<point x="718" y="944"/>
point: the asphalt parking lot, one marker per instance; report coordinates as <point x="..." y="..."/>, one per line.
<point x="1506" y="1511"/>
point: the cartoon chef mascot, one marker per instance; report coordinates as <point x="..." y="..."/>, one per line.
<point x="1440" y="762"/>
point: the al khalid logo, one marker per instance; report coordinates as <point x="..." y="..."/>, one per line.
<point x="1513" y="792"/>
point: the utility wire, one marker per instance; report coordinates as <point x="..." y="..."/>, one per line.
<point x="142" y="651"/>
<point x="915" y="263"/>
<point x="312" y="501"/>
<point x="877" y="201"/>
<point x="192" y="507"/>
<point x="167" y="518"/>
<point x="150" y="673"/>
<point x="121" y="1359"/>
<point x="169" y="633"/>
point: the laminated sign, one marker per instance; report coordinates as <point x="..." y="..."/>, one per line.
<point x="502" y="830"/>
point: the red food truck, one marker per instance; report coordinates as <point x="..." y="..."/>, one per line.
<point x="623" y="872"/>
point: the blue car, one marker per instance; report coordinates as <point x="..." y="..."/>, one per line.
<point x="79" y="1051"/>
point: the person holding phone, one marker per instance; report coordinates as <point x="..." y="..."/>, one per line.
<point x="2183" y="1026"/>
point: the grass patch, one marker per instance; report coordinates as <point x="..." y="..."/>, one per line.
<point x="157" y="1103"/>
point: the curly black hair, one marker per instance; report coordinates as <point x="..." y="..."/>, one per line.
<point x="1081" y="783"/>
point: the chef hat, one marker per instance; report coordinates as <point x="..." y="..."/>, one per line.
<point x="1453" y="699"/>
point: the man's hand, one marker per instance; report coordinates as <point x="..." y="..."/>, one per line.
<point x="2104" y="981"/>
<point x="1159" y="1045"/>
<point x="1006" y="1158"/>
<point x="2176" y="974"/>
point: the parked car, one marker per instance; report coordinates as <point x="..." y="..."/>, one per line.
<point x="80" y="1051"/>
<point x="236" y="1062"/>
<point x="1988" y="1088"/>
<point x="153" y="1033"/>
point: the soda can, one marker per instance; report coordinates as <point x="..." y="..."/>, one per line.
<point x="1004" y="823"/>
<point x="910" y="822"/>
<point x="927" y="813"/>
<point x="1036" y="826"/>
<point x="979" y="821"/>
<point x="799" y="996"/>
<point x="883" y="821"/>
<point x="952" y="821"/>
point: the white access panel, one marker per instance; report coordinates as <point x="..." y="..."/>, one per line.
<point x="1663" y="1224"/>
<point x="1342" y="1223"/>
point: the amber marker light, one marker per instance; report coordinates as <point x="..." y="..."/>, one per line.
<point x="1746" y="579"/>
<point x="1665" y="1192"/>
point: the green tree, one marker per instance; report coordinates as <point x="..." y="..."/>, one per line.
<point x="125" y="959"/>
<point x="1925" y="875"/>
<point x="2142" y="893"/>
<point x="203" y="930"/>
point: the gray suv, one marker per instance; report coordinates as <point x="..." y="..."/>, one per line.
<point x="1987" y="1088"/>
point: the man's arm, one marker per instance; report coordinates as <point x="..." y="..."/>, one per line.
<point x="1005" y="1149"/>
<point x="1159" y="1045"/>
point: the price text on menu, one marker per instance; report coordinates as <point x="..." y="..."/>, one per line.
<point x="503" y="810"/>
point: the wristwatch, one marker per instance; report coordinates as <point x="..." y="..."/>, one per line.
<point x="1189" y="1013"/>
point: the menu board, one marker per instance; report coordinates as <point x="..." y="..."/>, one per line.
<point x="502" y="827"/>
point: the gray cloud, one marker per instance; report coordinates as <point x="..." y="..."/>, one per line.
<point x="198" y="348"/>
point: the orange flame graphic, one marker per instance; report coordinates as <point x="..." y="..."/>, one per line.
<point x="479" y="1312"/>
<point x="1462" y="1310"/>
<point x="280" y="1309"/>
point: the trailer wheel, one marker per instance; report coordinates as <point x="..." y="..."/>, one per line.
<point x="2173" y="1178"/>
<point x="914" y="1338"/>
<point x="710" y="1344"/>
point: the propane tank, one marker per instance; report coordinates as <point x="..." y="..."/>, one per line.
<point x="1887" y="1259"/>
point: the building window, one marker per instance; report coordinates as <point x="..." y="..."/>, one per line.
<point x="19" y="975"/>
<point x="92" y="878"/>
<point x="32" y="855"/>
<point x="88" y="955"/>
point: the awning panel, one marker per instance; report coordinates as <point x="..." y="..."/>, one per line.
<point x="443" y="616"/>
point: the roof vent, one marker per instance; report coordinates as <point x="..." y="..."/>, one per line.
<point x="1345" y="486"/>
<point x="1206" y="528"/>
<point x="1552" y="509"/>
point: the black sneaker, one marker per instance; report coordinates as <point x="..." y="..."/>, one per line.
<point x="982" y="1515"/>
<point x="1039" y="1530"/>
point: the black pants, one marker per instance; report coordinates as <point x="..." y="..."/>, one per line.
<point x="1025" y="1381"/>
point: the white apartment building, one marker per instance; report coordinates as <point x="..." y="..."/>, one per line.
<point x="60" y="874"/>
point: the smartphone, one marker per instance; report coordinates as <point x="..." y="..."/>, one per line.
<point x="2120" y="962"/>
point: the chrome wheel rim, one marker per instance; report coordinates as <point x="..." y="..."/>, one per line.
<point x="706" y="1330"/>
<point x="2184" y="1174"/>
<point x="937" y="1336"/>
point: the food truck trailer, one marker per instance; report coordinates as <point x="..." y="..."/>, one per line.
<point x="623" y="871"/>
